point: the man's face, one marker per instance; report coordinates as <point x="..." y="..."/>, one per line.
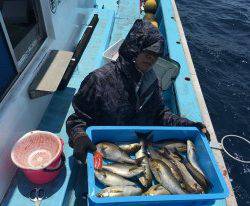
<point x="145" y="61"/>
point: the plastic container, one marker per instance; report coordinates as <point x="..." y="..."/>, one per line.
<point x="111" y="54"/>
<point x="205" y="157"/>
<point x="40" y="156"/>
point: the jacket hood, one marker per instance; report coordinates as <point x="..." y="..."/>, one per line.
<point x="143" y="36"/>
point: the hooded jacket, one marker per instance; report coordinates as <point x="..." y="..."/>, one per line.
<point x="116" y="95"/>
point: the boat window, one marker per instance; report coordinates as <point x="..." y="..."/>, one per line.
<point x="22" y="33"/>
<point x="24" y="24"/>
<point x="8" y="71"/>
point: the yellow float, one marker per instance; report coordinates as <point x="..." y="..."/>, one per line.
<point x="150" y="6"/>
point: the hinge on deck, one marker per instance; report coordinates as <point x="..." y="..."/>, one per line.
<point x="216" y="145"/>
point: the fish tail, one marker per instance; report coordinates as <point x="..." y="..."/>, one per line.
<point x="139" y="160"/>
<point x="182" y="159"/>
<point x="99" y="195"/>
<point x="146" y="136"/>
<point x="166" y="153"/>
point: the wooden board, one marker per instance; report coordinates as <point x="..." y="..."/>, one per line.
<point x="55" y="72"/>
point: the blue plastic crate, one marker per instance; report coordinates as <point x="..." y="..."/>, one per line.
<point x="205" y="157"/>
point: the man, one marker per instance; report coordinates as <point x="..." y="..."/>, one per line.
<point x="123" y="92"/>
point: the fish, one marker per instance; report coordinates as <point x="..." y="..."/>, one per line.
<point x="173" y="155"/>
<point x="110" y="179"/>
<point x="124" y="170"/>
<point x="156" y="190"/>
<point x="171" y="145"/>
<point x="175" y="171"/>
<point x="119" y="191"/>
<point x="144" y="139"/>
<point x="146" y="178"/>
<point x="140" y="154"/>
<point x="146" y="136"/>
<point x="191" y="184"/>
<point x="192" y="156"/>
<point x="164" y="176"/>
<point x="130" y="148"/>
<point x="112" y="152"/>
<point x="201" y="180"/>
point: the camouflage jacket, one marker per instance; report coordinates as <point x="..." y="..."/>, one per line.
<point x="109" y="95"/>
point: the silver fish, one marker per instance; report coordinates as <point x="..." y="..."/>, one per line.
<point x="146" y="178"/>
<point x="173" y="155"/>
<point x="143" y="137"/>
<point x="123" y="169"/>
<point x="171" y="145"/>
<point x="141" y="153"/>
<point x="165" y="177"/>
<point x="201" y="180"/>
<point x="111" y="179"/>
<point x="130" y="148"/>
<point x="113" y="152"/>
<point x="175" y="171"/>
<point x="119" y="191"/>
<point x="190" y="183"/>
<point x="156" y="190"/>
<point x="192" y="156"/>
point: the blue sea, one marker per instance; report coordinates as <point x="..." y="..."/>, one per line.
<point x="218" y="35"/>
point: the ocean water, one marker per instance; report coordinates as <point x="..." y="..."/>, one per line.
<point x="218" y="35"/>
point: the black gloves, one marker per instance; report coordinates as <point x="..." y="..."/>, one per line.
<point x="203" y="128"/>
<point x="82" y="144"/>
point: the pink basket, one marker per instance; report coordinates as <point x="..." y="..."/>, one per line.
<point x="38" y="154"/>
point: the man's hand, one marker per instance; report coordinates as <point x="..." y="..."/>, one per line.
<point x="82" y="144"/>
<point x="203" y="128"/>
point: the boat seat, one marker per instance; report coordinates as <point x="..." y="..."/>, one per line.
<point x="63" y="190"/>
<point x="51" y="73"/>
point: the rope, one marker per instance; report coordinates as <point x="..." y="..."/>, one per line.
<point x="228" y="153"/>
